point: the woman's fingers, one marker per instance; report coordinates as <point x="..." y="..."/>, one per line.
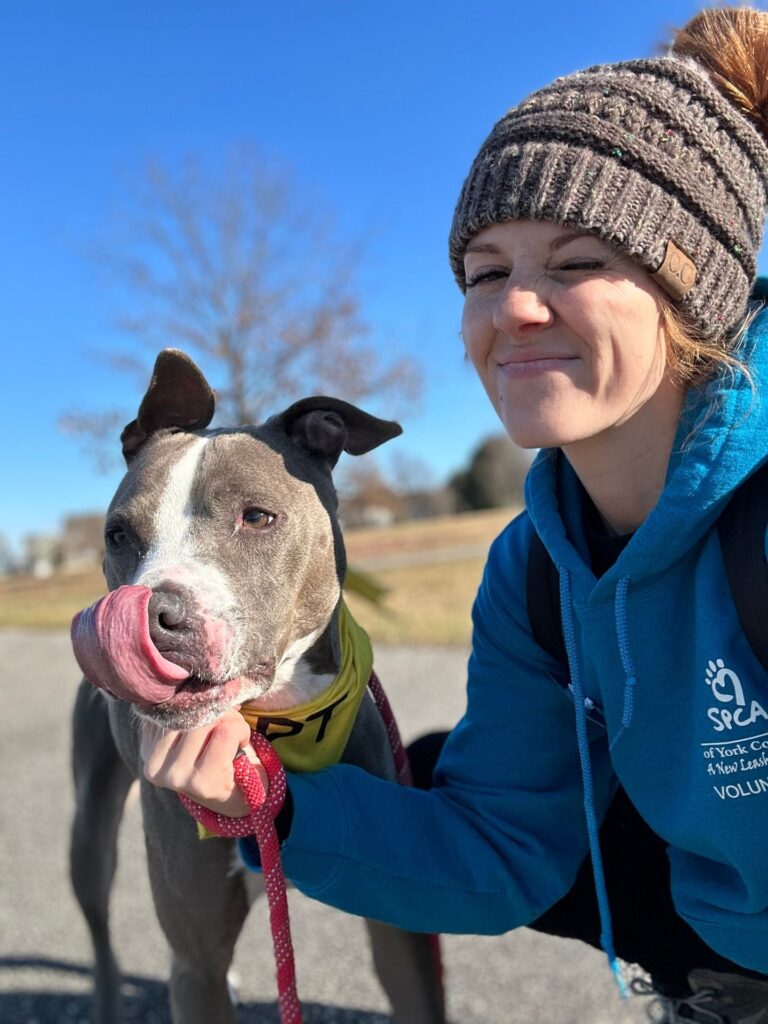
<point x="215" y="763"/>
<point x="213" y="766"/>
<point x="198" y="762"/>
<point x="156" y="745"/>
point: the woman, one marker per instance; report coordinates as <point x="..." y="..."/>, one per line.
<point x="605" y="240"/>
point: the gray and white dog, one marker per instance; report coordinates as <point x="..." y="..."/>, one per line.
<point x="233" y="536"/>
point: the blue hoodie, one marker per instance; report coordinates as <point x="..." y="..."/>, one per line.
<point x="666" y="698"/>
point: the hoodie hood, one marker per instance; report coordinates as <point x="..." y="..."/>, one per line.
<point x="668" y="699"/>
<point x="720" y="441"/>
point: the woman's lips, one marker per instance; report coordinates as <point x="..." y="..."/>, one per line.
<point x="530" y="366"/>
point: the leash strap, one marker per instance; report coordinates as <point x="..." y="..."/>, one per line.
<point x="261" y="824"/>
<point x="402" y="767"/>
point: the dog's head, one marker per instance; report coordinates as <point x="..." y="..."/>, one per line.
<point x="222" y="549"/>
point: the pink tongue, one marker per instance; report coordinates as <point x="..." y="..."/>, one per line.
<point x="115" y="651"/>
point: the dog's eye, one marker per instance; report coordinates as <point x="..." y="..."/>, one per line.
<point x="116" y="537"/>
<point x="258" y="518"/>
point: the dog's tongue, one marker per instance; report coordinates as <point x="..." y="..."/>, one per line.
<point x="115" y="651"/>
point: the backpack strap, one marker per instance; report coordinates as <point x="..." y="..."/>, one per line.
<point x="543" y="600"/>
<point x="741" y="529"/>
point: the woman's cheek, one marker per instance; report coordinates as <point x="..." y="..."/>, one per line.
<point x="474" y="331"/>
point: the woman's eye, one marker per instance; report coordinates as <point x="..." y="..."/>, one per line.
<point x="583" y="265"/>
<point x="486" y="276"/>
<point x="258" y="518"/>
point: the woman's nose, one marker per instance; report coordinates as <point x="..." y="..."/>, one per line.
<point x="521" y="310"/>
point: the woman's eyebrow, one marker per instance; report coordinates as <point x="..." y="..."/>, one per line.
<point x="487" y="247"/>
<point x="554" y="245"/>
<point x="561" y="240"/>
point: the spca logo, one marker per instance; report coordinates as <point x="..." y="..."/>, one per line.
<point x="732" y="709"/>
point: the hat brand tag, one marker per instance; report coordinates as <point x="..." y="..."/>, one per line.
<point x="677" y="274"/>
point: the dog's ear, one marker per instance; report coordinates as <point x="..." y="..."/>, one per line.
<point x="326" y="427"/>
<point x="178" y="396"/>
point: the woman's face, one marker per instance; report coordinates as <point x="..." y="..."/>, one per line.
<point x="565" y="333"/>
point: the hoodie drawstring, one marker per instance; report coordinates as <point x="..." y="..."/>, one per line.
<point x="569" y="635"/>
<point x="620" y="613"/>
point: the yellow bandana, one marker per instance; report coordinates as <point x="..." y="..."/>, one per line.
<point x="313" y="735"/>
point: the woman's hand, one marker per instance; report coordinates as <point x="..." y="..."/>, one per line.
<point x="198" y="762"/>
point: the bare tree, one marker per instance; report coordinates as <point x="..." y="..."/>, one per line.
<point x="240" y="269"/>
<point x="9" y="559"/>
<point x="410" y="473"/>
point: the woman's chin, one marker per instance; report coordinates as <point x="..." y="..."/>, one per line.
<point x="541" y="435"/>
<point x="543" y="421"/>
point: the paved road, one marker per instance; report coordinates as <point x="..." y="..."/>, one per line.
<point x="44" y="950"/>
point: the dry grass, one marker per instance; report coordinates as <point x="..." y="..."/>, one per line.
<point x="424" y="603"/>
<point x="438" y="534"/>
<point x="48" y="604"/>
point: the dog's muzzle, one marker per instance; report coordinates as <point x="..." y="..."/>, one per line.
<point x="116" y="647"/>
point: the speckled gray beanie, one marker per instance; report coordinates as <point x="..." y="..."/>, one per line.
<point x="647" y="155"/>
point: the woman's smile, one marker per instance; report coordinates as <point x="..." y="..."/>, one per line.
<point x="532" y="364"/>
<point x="563" y="330"/>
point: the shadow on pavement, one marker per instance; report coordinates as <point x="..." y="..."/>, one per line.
<point x="145" y="1000"/>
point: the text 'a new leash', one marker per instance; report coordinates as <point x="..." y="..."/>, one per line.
<point x="261" y="824"/>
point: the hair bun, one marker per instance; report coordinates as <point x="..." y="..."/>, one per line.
<point x="731" y="43"/>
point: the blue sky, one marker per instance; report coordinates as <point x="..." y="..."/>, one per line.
<point x="379" y="109"/>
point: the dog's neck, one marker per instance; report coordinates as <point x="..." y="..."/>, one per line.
<point x="308" y="667"/>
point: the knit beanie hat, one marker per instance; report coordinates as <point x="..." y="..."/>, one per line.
<point x="650" y="156"/>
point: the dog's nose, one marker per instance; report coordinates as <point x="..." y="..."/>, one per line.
<point x="167" y="617"/>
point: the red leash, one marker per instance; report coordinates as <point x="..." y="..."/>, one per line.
<point x="261" y="824"/>
<point x="402" y="767"/>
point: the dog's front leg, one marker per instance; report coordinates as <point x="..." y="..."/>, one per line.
<point x="201" y="902"/>
<point x="408" y="967"/>
<point x="407" y="963"/>
<point x="102" y="781"/>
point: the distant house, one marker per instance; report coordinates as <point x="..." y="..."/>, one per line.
<point x="42" y="554"/>
<point x="82" y="542"/>
<point x="373" y="505"/>
<point x="440" y="501"/>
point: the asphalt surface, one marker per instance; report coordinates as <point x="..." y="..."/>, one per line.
<point x="44" y="947"/>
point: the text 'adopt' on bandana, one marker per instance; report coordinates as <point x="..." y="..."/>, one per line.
<point x="313" y="735"/>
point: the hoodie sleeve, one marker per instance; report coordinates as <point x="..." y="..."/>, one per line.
<point x="500" y="837"/>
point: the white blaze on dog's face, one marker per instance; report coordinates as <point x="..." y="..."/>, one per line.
<point x="235" y="529"/>
<point x="234" y="532"/>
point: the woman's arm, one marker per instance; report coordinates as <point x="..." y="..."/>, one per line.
<point x="500" y="837"/>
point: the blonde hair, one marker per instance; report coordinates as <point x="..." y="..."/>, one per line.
<point x="693" y="360"/>
<point x="731" y="43"/>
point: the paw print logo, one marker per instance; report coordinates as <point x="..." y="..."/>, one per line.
<point x="726" y="685"/>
